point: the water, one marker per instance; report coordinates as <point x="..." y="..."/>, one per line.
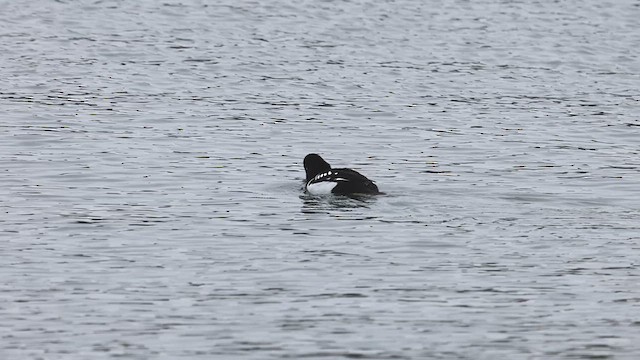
<point x="152" y="206"/>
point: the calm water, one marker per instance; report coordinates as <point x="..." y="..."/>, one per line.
<point x="151" y="170"/>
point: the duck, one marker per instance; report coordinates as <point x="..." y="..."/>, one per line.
<point x="322" y="179"/>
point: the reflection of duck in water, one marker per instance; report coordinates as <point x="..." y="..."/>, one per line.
<point x="322" y="179"/>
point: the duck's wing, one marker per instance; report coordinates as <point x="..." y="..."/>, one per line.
<point x="351" y="182"/>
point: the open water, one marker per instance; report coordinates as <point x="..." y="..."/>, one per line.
<point x="151" y="202"/>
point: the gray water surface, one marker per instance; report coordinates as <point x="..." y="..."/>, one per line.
<point x="151" y="179"/>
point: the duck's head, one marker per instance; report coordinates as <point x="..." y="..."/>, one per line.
<point x="314" y="165"/>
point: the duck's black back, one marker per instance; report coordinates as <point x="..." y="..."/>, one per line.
<point x="353" y="183"/>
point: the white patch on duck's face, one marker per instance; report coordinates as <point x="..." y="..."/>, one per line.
<point x="321" y="188"/>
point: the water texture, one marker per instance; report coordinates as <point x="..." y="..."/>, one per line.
<point x="151" y="202"/>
